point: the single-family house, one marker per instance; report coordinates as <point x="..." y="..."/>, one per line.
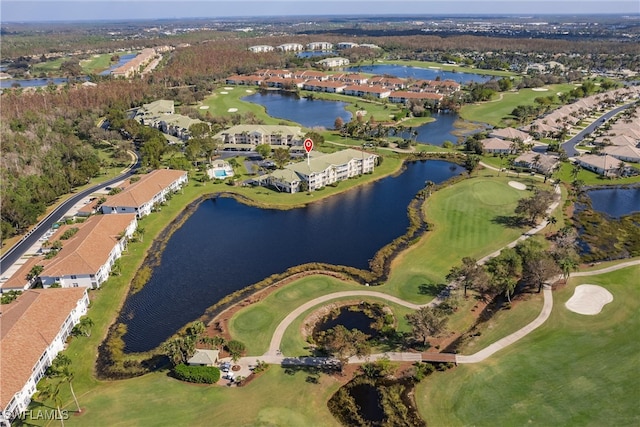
<point x="33" y="330"/>
<point x="538" y="162"/>
<point x="141" y="196"/>
<point x="604" y="165"/>
<point x="510" y="134"/>
<point x="496" y="146"/>
<point x="626" y="153"/>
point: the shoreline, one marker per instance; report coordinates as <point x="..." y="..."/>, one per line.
<point x="379" y="269"/>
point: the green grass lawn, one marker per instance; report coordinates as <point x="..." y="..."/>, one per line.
<point x="493" y="112"/>
<point x="463" y="224"/>
<point x="573" y="370"/>
<point x="275" y="399"/>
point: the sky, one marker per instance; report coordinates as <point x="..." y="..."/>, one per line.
<point x="91" y="10"/>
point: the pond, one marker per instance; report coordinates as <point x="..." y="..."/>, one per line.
<point x="349" y="319"/>
<point x="405" y="72"/>
<point x="367" y="397"/>
<point x="238" y="245"/>
<point x="8" y="83"/>
<point x="309" y="113"/>
<point x="615" y="202"/>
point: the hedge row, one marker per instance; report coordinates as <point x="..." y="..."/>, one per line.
<point x="197" y="374"/>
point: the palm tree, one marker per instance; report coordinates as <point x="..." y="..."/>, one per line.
<point x="67" y="375"/>
<point x="52" y="392"/>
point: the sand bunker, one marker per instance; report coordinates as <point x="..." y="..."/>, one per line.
<point x="224" y="93"/>
<point x="517" y="185"/>
<point x="232" y="110"/>
<point x="539" y="89"/>
<point x="589" y="299"/>
<point x="228" y="88"/>
<point x="204" y="107"/>
<point x="249" y="91"/>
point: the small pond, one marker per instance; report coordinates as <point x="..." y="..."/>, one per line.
<point x="615" y="202"/>
<point x="350" y="319"/>
<point x="367" y="397"/>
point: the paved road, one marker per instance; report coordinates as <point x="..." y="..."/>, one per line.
<point x="570" y="146"/>
<point x="20" y="248"/>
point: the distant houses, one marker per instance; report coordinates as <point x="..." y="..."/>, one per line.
<point x="323" y="170"/>
<point x="33" y="330"/>
<point x="396" y="90"/>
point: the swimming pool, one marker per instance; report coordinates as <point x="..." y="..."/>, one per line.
<point x="220" y="173"/>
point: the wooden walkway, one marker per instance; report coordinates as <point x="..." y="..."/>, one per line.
<point x="438" y="357"/>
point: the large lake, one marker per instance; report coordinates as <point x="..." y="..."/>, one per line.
<point x="406" y="72"/>
<point x="308" y="112"/>
<point x="225" y="246"/>
<point x="615" y="202"/>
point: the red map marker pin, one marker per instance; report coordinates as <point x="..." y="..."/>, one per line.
<point x="308" y="145"/>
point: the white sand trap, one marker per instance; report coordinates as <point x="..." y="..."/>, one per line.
<point x="228" y="88"/>
<point x="232" y="110"/>
<point x="589" y="299"/>
<point x="558" y="93"/>
<point x="224" y="93"/>
<point x="517" y="185"/>
<point x="204" y="107"/>
<point x="249" y="91"/>
<point x="539" y="89"/>
<point x="361" y="113"/>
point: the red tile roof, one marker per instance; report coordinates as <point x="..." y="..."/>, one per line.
<point x="27" y="327"/>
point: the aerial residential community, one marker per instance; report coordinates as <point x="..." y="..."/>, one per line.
<point x="295" y="218"/>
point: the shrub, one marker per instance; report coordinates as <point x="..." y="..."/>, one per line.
<point x="197" y="374"/>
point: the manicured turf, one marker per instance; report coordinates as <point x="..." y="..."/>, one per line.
<point x="573" y="370"/>
<point x="493" y="112"/>
<point x="275" y="399"/>
<point x="255" y="324"/>
<point x="464" y="221"/>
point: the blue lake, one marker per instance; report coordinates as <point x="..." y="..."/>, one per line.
<point x="225" y="246"/>
<point x="615" y="202"/>
<point x="309" y="113"/>
<point x="405" y="72"/>
<point x="315" y="54"/>
<point x="8" y="83"/>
